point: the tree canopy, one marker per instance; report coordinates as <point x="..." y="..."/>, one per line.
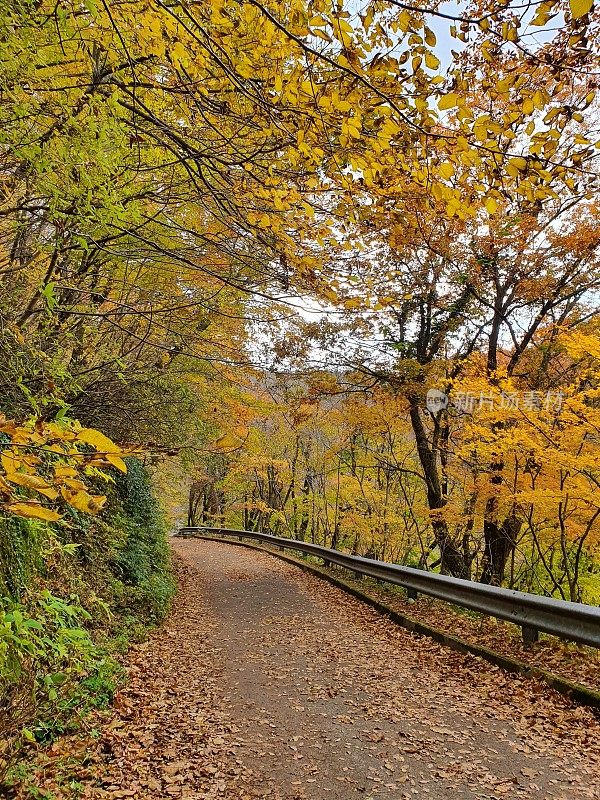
<point x="178" y="177"/>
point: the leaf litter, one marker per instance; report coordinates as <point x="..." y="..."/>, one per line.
<point x="266" y="682"/>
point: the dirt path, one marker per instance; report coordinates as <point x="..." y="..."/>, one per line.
<point x="268" y="683"/>
<point x="332" y="701"/>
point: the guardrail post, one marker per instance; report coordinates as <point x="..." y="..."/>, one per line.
<point x="412" y="594"/>
<point x="530" y="635"/>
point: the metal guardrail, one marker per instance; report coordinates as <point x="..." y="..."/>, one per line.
<point x="532" y="612"/>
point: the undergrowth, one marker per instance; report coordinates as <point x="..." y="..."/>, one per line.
<point x="72" y="598"/>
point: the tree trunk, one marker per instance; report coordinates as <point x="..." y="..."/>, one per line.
<point x="451" y="556"/>
<point x="303" y="527"/>
<point x="500" y="542"/>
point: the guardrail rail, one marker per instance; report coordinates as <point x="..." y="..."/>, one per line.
<point x="533" y="613"/>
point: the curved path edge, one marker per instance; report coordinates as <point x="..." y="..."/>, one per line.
<point x="575" y="691"/>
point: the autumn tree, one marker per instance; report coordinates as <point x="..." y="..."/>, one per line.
<point x="168" y="166"/>
<point x="485" y="262"/>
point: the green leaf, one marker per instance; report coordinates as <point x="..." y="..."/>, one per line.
<point x="33" y="623"/>
<point x="47" y="292"/>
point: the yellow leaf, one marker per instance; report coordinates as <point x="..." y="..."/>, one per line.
<point x="527" y="106"/>
<point x="540" y="98"/>
<point x="116" y="462"/>
<point x="432" y="61"/>
<point x="227" y="442"/>
<point x="518" y="162"/>
<point x="509" y="32"/>
<point x="82" y="501"/>
<point x="75" y="484"/>
<point x="446" y="170"/>
<point x="62" y="471"/>
<point x="98" y="440"/>
<point x="491" y="205"/>
<point x="34" y="482"/>
<point x="404" y="21"/>
<point x="504" y="84"/>
<point x="322" y="35"/>
<point x="59" y="432"/>
<point x="10" y="462"/>
<point x="430" y="37"/>
<point x="580" y="7"/>
<point x="33" y="511"/>
<point x="448" y="101"/>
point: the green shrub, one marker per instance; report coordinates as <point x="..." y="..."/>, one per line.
<point x="44" y="650"/>
<point x="142" y="563"/>
<point x="71" y="595"/>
